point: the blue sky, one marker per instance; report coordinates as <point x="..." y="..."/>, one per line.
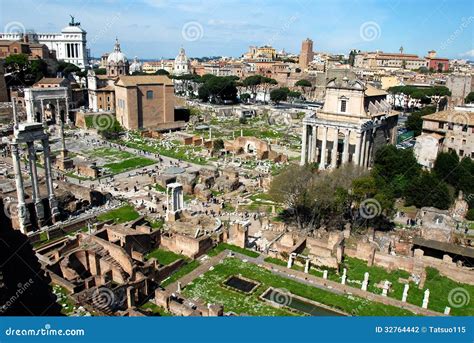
<point x="156" y="28"/>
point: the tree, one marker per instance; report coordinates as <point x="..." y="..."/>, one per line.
<point x="217" y="145"/>
<point x="292" y="187"/>
<point x="278" y="95"/>
<point x="428" y="190"/>
<point x="394" y="168"/>
<point x="245" y="97"/>
<point x="469" y="98"/>
<point x="22" y="71"/>
<point x="100" y="71"/>
<point x="161" y="72"/>
<point x="293" y="95"/>
<point x="217" y="89"/>
<point x="252" y="83"/>
<point x="415" y="119"/>
<point x="304" y="84"/>
<point x="446" y="167"/>
<point x="66" y="68"/>
<point x="265" y="84"/>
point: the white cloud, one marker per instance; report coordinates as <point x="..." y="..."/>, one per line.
<point x="469" y="53"/>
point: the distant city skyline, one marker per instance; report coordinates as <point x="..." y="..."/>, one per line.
<point x="151" y="29"/>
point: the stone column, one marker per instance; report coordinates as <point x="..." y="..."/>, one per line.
<point x="304" y="144"/>
<point x="68" y="121"/>
<point x="53" y="203"/>
<point x="322" y="164"/>
<point x="405" y="292"/>
<point x="35" y="183"/>
<point x="345" y="153"/>
<point x="325" y="274"/>
<point x="356" y="158"/>
<point x="362" y="149"/>
<point x="334" y="149"/>
<point x="23" y="215"/>
<point x="366" y="153"/>
<point x="61" y="126"/>
<point x="43" y="118"/>
<point x="426" y="299"/>
<point x="314" y="143"/>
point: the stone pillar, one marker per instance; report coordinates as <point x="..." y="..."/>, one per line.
<point x="314" y="143"/>
<point x="61" y="126"/>
<point x="23" y="215"/>
<point x="365" y="282"/>
<point x="405" y="292"/>
<point x="178" y="290"/>
<point x="67" y="119"/>
<point x="345" y="152"/>
<point x="334" y="149"/>
<point x="53" y="203"/>
<point x="306" y="266"/>
<point x="322" y="164"/>
<point x="43" y="118"/>
<point x="386" y="287"/>
<point x="447" y="310"/>
<point x="356" y="158"/>
<point x="366" y="153"/>
<point x="426" y="299"/>
<point x="304" y="145"/>
<point x="290" y="261"/>
<point x="325" y="274"/>
<point x="344" y="277"/>
<point x="35" y="183"/>
<point x="362" y="149"/>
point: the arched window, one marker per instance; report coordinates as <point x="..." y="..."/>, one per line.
<point x="149" y="94"/>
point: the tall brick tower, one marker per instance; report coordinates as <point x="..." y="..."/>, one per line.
<point x="306" y="54"/>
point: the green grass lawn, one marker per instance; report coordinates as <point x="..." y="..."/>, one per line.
<point x="164" y="257"/>
<point x="178" y="152"/>
<point x="223" y="246"/>
<point x="67" y="305"/>
<point x="120" y="215"/>
<point x="160" y="188"/>
<point x="438" y="285"/>
<point x="184" y="270"/>
<point x="132" y="163"/>
<point x="209" y="288"/>
<point x="110" y="154"/>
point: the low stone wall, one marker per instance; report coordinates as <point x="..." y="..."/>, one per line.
<point x="166" y="271"/>
<point x="56" y="279"/>
<point x="393" y="262"/>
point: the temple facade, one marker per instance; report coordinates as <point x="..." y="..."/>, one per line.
<point x="353" y="123"/>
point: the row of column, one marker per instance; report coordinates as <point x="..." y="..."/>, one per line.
<point x="72" y="50"/>
<point x="309" y="150"/>
<point x="23" y="214"/>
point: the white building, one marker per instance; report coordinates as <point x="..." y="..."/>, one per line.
<point x="181" y="63"/>
<point x="69" y="45"/>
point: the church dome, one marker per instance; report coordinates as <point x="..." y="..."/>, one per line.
<point x="181" y="58"/>
<point x="117" y="55"/>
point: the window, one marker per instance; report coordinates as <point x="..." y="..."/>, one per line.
<point x="452" y="139"/>
<point x="440" y="125"/>
<point x="343" y="105"/>
<point x="461" y="152"/>
<point x="149" y="94"/>
<point x="464" y="128"/>
<point x="463" y="142"/>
